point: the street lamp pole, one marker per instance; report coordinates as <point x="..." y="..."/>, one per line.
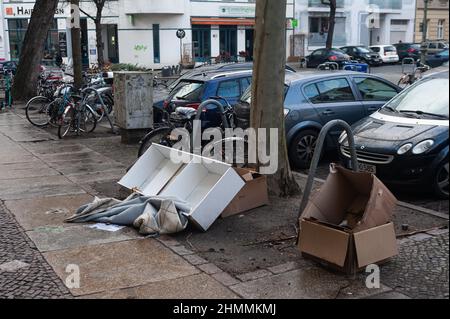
<point x="424" y="48"/>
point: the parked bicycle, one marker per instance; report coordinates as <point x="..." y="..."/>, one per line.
<point x="183" y="117"/>
<point x="78" y="117"/>
<point x="415" y="72"/>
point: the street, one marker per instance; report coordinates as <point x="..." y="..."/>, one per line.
<point x="252" y="255"/>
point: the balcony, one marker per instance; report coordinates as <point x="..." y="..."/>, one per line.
<point x="387" y="4"/>
<point x="318" y="4"/>
<point x="154" y="7"/>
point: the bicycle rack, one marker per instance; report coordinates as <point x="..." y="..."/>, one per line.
<point x="333" y="66"/>
<point x="104" y="107"/>
<point x="200" y="110"/>
<point x="316" y="158"/>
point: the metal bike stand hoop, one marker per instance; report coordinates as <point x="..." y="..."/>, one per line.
<point x="317" y="155"/>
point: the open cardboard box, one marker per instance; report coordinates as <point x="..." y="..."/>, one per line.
<point x="347" y="224"/>
<point x="253" y="195"/>
<point x="207" y="185"/>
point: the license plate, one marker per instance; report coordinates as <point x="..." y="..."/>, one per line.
<point x="366" y="168"/>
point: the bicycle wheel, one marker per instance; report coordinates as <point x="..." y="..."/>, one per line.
<point x="67" y="123"/>
<point x="88" y="121"/>
<point x="158" y="136"/>
<point x="37" y="111"/>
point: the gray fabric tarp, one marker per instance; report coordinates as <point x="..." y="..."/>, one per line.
<point x="151" y="215"/>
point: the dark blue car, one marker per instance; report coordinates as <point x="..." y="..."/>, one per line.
<point x="192" y="91"/>
<point x="313" y="99"/>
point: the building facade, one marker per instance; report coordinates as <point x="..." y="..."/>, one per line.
<point x="438" y="20"/>
<point x="358" y="22"/>
<point x="144" y="32"/>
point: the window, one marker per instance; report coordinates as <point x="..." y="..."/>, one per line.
<point x="374" y="90"/>
<point x="440" y="29"/>
<point x="156" y="46"/>
<point x="245" y="83"/>
<point x="376" y="49"/>
<point x="229" y="89"/>
<point x="330" y="91"/>
<point x="188" y="91"/>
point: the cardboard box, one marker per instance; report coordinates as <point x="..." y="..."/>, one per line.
<point x="253" y="195"/>
<point x="207" y="185"/>
<point x="347" y="224"/>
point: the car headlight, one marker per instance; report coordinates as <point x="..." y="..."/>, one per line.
<point x="423" y="147"/>
<point x="405" y="149"/>
<point x="286" y="112"/>
<point x="343" y="137"/>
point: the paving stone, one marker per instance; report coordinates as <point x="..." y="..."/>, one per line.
<point x="23" y="264"/>
<point x="199" y="286"/>
<point x="13" y="266"/>
<point x="438" y="232"/>
<point x="254" y="275"/>
<point x="168" y="241"/>
<point x="181" y="250"/>
<point x="298" y="284"/>
<point x="195" y="260"/>
<point x="210" y="269"/>
<point x="225" y="279"/>
<point x="120" y="265"/>
<point x="38" y="187"/>
<point x="49" y="238"/>
<point x="46" y="211"/>
<point x="390" y="295"/>
<point x="283" y="268"/>
<point x="420" y="237"/>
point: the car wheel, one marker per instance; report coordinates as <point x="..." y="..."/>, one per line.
<point x="302" y="148"/>
<point x="441" y="180"/>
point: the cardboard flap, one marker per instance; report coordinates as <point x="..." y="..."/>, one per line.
<point x="323" y="242"/>
<point x="331" y="202"/>
<point x="380" y="207"/>
<point x="375" y="245"/>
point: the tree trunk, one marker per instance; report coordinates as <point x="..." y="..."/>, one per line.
<point x="25" y="81"/>
<point x="332" y="24"/>
<point x="76" y="45"/>
<point x="100" y="4"/>
<point x="100" y="50"/>
<point x="268" y="88"/>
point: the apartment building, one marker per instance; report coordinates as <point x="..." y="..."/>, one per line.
<point x="367" y="22"/>
<point x="438" y="20"/>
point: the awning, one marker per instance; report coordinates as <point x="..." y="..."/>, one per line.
<point x="223" y="21"/>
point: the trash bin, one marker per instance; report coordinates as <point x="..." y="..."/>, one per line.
<point x="133" y="103"/>
<point x="357" y="67"/>
<point x="166" y="72"/>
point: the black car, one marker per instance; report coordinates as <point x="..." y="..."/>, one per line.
<point x="321" y="56"/>
<point x="407" y="141"/>
<point x="408" y="50"/>
<point x="363" y="54"/>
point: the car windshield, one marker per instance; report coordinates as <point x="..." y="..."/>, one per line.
<point x="426" y="98"/>
<point x="364" y="50"/>
<point x="189" y="91"/>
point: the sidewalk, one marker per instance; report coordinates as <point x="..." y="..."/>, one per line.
<point x="42" y="181"/>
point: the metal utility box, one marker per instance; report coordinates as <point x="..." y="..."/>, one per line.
<point x="133" y="100"/>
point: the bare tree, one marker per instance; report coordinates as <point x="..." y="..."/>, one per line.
<point x="332" y="21"/>
<point x="76" y="44"/>
<point x="267" y="109"/>
<point x="25" y="81"/>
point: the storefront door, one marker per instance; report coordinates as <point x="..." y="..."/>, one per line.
<point x="228" y="42"/>
<point x="113" y="43"/>
<point x="201" y="40"/>
<point x="84" y="43"/>
<point x="249" y="42"/>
